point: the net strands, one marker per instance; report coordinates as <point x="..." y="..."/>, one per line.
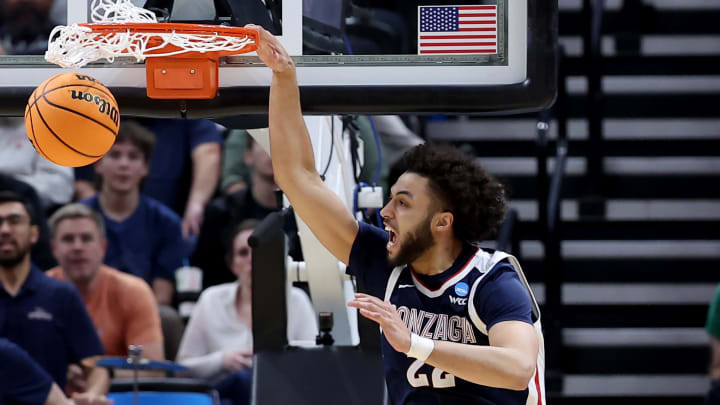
<point x="119" y="11"/>
<point x="121" y="29"/>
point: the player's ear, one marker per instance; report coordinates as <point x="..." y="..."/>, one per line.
<point x="443" y="221"/>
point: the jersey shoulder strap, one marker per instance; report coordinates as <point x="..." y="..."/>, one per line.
<point x="492" y="260"/>
<point x="394" y="276"/>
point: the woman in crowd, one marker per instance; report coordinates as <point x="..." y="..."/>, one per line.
<point x="217" y="344"/>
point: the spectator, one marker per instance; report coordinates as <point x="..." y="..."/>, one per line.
<point x="25" y="26"/>
<point x="144" y="236"/>
<point x="18" y="159"/>
<point x="226" y="211"/>
<point x="40" y="253"/>
<point x="713" y="329"/>
<point x="235" y="173"/>
<point x="217" y="344"/>
<point x="121" y="305"/>
<point x="184" y="168"/>
<point x="44" y="316"/>
<point x="24" y="381"/>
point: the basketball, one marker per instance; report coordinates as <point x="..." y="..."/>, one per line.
<point x="72" y="119"/>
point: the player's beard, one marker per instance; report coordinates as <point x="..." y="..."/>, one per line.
<point x="417" y="242"/>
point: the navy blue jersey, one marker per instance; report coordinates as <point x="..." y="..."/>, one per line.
<point x="460" y="305"/>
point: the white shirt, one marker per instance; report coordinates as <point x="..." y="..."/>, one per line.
<point x="215" y="328"/>
<point x="18" y="159"/>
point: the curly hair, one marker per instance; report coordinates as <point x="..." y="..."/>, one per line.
<point x="475" y="198"/>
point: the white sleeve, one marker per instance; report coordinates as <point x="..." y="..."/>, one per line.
<point x="302" y="324"/>
<point x="193" y="352"/>
<point x="53" y="183"/>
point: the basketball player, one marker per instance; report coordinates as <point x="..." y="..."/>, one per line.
<point x="459" y="323"/>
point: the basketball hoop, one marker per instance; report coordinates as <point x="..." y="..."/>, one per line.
<point x="182" y="59"/>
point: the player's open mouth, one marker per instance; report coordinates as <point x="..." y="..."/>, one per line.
<point x="392" y="239"/>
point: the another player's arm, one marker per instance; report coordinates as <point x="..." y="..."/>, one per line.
<point x="509" y="362"/>
<point x="292" y="156"/>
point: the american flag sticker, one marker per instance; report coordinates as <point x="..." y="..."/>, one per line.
<point x="457" y="30"/>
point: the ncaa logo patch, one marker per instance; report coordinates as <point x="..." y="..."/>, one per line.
<point x="461" y="289"/>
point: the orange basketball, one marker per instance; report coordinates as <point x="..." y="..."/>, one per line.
<point x="72" y="119"/>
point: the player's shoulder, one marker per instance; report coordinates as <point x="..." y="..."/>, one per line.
<point x="499" y="273"/>
<point x="500" y="270"/>
<point x="369" y="239"/>
<point x="492" y="267"/>
<point x="366" y="230"/>
<point x="500" y="283"/>
<point x="489" y="263"/>
<point x="368" y="248"/>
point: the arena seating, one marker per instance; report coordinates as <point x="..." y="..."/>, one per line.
<point x="637" y="243"/>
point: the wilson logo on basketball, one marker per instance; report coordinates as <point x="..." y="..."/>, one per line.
<point x="103" y="105"/>
<point x="83" y="77"/>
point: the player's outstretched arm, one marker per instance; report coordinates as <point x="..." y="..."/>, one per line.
<point x="292" y="155"/>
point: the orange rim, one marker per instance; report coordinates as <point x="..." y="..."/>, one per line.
<point x="182" y="28"/>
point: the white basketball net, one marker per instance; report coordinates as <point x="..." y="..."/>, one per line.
<point x="74" y="46"/>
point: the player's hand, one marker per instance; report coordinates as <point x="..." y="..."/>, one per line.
<point x="385" y="314"/>
<point x="271" y="52"/>
<point x="237" y="360"/>
<point x="86" y="398"/>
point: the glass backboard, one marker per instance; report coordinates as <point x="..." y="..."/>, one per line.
<point x="353" y="56"/>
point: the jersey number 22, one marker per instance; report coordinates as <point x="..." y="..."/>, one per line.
<point x="440" y="379"/>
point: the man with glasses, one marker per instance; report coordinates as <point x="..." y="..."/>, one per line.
<point x="45" y="317"/>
